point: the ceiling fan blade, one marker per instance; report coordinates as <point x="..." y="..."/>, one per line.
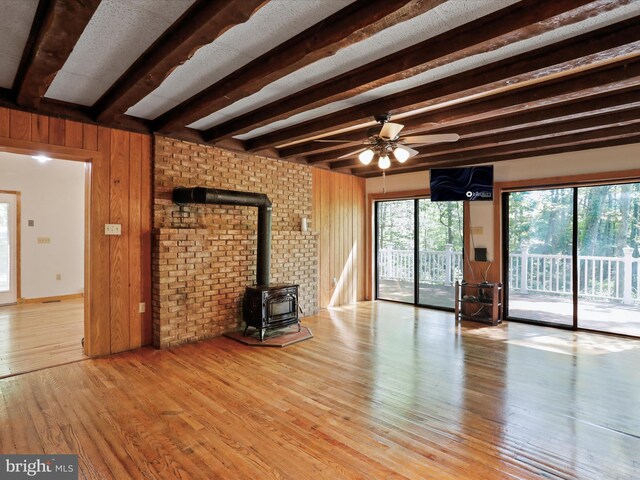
<point x="437" y="138"/>
<point x="412" y="152"/>
<point x="351" y="154"/>
<point x="390" y="130"/>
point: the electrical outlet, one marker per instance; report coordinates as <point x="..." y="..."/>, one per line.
<point x="58" y="276"/>
<point x="112" y="229"/>
<point x="142" y="307"/>
<point x="44" y="240"/>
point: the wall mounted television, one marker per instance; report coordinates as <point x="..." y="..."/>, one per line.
<point x="455" y="184"/>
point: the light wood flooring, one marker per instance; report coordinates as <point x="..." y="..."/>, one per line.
<point x="40" y="335"/>
<point x="383" y="391"/>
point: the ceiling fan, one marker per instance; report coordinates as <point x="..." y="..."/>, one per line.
<point x="385" y="140"/>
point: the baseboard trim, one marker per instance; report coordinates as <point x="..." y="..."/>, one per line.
<point x="58" y="298"/>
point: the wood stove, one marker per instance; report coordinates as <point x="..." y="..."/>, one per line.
<point x="266" y="307"/>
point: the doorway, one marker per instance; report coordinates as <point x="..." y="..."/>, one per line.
<point x="9" y="240"/>
<point x="42" y="262"/>
<point x="571" y="257"/>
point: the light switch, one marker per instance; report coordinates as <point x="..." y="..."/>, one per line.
<point x="31" y="223"/>
<point x="112" y="229"/>
<point x="477" y="230"/>
<point x="142" y="307"/>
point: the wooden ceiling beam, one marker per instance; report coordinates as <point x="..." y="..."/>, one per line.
<point x="579" y="115"/>
<point x="318" y="153"/>
<point x="58" y="32"/>
<point x="352" y="24"/>
<point x="587" y="51"/>
<point x="514" y="156"/>
<point x="597" y="86"/>
<point x="529" y="146"/>
<point x="200" y="25"/>
<point x="570" y="127"/>
<point x="79" y="113"/>
<point x="511" y="24"/>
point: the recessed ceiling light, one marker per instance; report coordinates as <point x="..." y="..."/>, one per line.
<point x="41" y="158"/>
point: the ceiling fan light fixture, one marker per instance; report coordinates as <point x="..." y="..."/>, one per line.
<point x="366" y="156"/>
<point x="384" y="162"/>
<point x="401" y="154"/>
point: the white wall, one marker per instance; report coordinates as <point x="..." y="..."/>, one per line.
<point x="624" y="157"/>
<point x="53" y="197"/>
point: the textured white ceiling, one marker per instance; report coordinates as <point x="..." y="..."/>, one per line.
<point x="434" y="22"/>
<point x="621" y="13"/>
<point x="118" y="33"/>
<point x="270" y="26"/>
<point x="16" y="17"/>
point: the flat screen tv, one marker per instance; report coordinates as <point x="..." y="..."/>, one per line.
<point x="455" y="184"/>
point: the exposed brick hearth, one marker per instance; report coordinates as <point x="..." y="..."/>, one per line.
<point x="205" y="255"/>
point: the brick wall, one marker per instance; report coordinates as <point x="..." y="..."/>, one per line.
<point x="205" y="255"/>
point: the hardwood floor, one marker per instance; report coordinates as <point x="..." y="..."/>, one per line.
<point x="382" y="391"/>
<point x="40" y="335"/>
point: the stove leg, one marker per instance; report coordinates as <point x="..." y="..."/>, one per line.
<point x="262" y="330"/>
<point x="245" y="331"/>
<point x="299" y="326"/>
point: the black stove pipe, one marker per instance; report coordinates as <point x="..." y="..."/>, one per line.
<point x="214" y="196"/>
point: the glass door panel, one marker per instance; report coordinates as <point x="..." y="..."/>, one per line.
<point x="395" y="242"/>
<point x="608" y="263"/>
<point x="8" y="249"/>
<point x="539" y="267"/>
<point x="5" y="250"/>
<point x="440" y="260"/>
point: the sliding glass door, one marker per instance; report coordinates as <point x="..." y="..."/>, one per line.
<point x="395" y="242"/>
<point x="608" y="263"/>
<point x="572" y="259"/>
<point x="418" y="239"/>
<point x="539" y="265"/>
<point x="440" y="242"/>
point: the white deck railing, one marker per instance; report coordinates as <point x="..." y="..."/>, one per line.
<point x="439" y="267"/>
<point x="606" y="278"/>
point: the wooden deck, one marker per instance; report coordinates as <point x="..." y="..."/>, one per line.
<point x="382" y="391"/>
<point x="604" y="316"/>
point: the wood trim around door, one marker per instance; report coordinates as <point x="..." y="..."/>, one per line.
<point x="24" y="147"/>
<point x="18" y="241"/>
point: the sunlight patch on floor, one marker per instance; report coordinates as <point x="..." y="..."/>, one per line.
<point x="577" y="343"/>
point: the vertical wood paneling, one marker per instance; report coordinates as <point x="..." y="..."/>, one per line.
<point x="89" y="137"/>
<point x="100" y="326"/>
<point x="339" y="216"/>
<point x="118" y="273"/>
<point x="325" y="247"/>
<point x="56" y="131"/>
<point x="73" y="134"/>
<point x="119" y="245"/>
<point x="145" y="235"/>
<point x="39" y="128"/>
<point x="315" y="218"/>
<point x="135" y="260"/>
<point x="20" y="126"/>
<point x="5" y="122"/>
<point x="361" y="215"/>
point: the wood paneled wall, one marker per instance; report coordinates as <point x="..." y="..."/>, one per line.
<point x="339" y="207"/>
<point x="118" y="270"/>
